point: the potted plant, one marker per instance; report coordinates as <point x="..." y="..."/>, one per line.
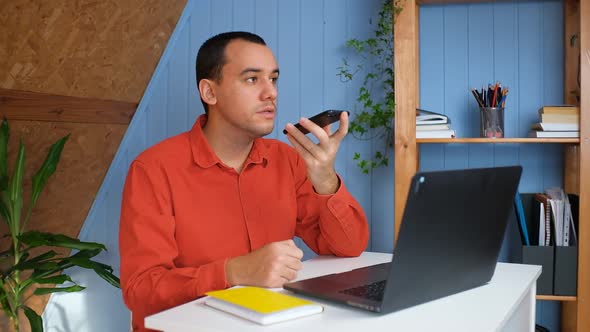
<point x="28" y="268"/>
<point x="376" y="96"/>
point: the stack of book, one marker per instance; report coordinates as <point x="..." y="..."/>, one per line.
<point x="557" y="121"/>
<point x="433" y="125"/>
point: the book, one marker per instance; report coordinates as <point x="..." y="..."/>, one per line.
<point x="444" y="133"/>
<point x="557" y="201"/>
<point x="260" y="305"/>
<point x="556" y="126"/>
<point x="559" y="109"/>
<point x="555" y="134"/>
<point x="560" y="118"/>
<point x="545" y="225"/>
<point x="521" y="219"/>
<point x="441" y="126"/>
<point x="428" y="117"/>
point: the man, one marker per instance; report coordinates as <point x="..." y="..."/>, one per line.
<point x="218" y="205"/>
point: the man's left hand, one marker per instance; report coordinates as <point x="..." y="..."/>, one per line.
<point x="319" y="157"/>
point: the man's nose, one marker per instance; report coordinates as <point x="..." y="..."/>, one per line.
<point x="269" y="91"/>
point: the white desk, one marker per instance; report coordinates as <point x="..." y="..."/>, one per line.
<point x="506" y="303"/>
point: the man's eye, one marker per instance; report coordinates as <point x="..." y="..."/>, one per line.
<point x="274" y="79"/>
<point x="251" y="79"/>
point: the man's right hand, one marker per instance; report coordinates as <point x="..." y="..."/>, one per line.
<point x="270" y="266"/>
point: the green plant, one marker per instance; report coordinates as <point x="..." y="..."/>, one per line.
<point x="25" y="264"/>
<point x="376" y="96"/>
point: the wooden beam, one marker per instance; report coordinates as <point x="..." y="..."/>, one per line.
<point x="584" y="219"/>
<point x="36" y="106"/>
<point x="406" y="100"/>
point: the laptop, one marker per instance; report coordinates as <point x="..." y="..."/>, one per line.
<point x="449" y="241"/>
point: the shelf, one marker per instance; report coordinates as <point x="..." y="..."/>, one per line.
<point x="556" y="298"/>
<point x="498" y="140"/>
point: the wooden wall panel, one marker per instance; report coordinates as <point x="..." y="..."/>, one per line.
<point x="101" y="49"/>
<point x="36" y="106"/>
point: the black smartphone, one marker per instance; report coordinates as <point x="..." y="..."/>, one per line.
<point x="323" y="119"/>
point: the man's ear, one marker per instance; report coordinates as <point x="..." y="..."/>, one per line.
<point x="207" y="91"/>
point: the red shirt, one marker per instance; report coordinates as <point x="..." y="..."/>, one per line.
<point x="184" y="214"/>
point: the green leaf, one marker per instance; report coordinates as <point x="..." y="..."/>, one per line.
<point x="34" y="319"/>
<point x="4" y="137"/>
<point x="59" y="279"/>
<point x="47" y="169"/>
<point x="6" y="307"/>
<point x="47" y="255"/>
<point x="3" y="182"/>
<point x="37" y="239"/>
<point x="108" y="277"/>
<point x="44" y="266"/>
<point x="102" y="270"/>
<point x="15" y="190"/>
<point x="70" y="289"/>
<point x="4" y="212"/>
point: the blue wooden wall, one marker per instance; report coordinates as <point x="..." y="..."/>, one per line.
<point x="518" y="43"/>
<point x="524" y="51"/>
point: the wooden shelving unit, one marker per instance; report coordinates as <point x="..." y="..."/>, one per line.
<point x="575" y="310"/>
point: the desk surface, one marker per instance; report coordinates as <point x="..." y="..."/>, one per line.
<point x="484" y="308"/>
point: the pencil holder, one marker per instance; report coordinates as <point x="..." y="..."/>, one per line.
<point x="491" y="122"/>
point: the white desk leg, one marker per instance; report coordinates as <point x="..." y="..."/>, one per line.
<point x="523" y="316"/>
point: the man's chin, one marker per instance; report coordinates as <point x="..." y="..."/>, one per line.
<point x="267" y="130"/>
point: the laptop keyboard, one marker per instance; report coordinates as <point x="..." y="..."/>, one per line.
<point x="373" y="291"/>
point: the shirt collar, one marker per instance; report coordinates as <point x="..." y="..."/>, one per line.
<point x="204" y="156"/>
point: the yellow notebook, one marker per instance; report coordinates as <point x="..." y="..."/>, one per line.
<point x="261" y="305"/>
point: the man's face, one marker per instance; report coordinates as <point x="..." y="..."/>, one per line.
<point x="247" y="92"/>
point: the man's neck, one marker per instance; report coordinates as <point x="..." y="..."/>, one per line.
<point x="231" y="147"/>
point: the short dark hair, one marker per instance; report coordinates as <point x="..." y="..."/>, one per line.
<point x="211" y="56"/>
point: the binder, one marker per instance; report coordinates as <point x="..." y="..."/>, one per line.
<point x="545" y="225"/>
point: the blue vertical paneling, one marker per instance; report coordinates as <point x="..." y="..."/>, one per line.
<point x="288" y="50"/>
<point x="266" y="25"/>
<point x="178" y="86"/>
<point x="243" y="15"/>
<point x="266" y="22"/>
<point x="432" y="50"/>
<point x="334" y="92"/>
<point x="382" y="190"/>
<point x="505" y="70"/>
<point x="530" y="88"/>
<point x="157" y="119"/>
<point x="455" y="80"/>
<point x="311" y="39"/>
<point x="480" y="64"/>
<point x="220" y="13"/>
<point x="553" y="88"/>
<point x="200" y="30"/>
<point x="357" y="26"/>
